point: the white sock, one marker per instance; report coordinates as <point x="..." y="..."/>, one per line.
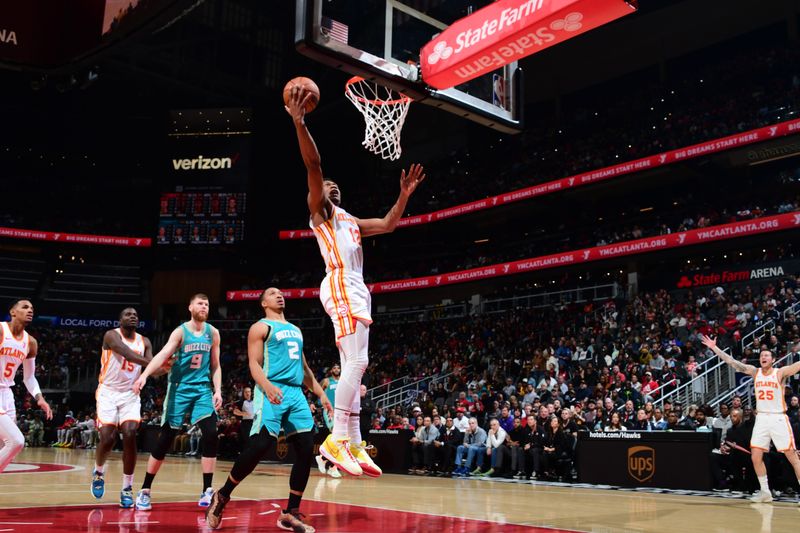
<point x="100" y="469"/>
<point x="354" y="428"/>
<point x="127" y="481"/>
<point x="354" y="424"/>
<point x="762" y="480"/>
<point x="341" y="421"/>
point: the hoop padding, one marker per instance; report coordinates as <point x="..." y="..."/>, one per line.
<point x="384" y="113"/>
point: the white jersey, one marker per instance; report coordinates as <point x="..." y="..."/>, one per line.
<point x="13" y="351"/>
<point x="769" y="393"/>
<point x="339" y="240"/>
<point x="116" y="372"/>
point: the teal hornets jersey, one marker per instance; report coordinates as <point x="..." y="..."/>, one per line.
<point x="283" y="353"/>
<point x="330" y="392"/>
<point x="193" y="358"/>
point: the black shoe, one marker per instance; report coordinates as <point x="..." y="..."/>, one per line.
<point x="215" y="508"/>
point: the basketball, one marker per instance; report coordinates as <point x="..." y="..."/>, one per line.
<point x="308" y="85"/>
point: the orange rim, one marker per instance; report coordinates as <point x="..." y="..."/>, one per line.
<point x="357" y="79"/>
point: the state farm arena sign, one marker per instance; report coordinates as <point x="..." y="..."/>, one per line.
<point x="731" y="276"/>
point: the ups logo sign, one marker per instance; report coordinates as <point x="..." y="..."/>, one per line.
<point x="641" y="463"/>
<point x="282" y="450"/>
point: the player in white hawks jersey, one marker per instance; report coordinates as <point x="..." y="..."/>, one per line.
<point x="17" y="348"/>
<point x="772" y="424"/>
<point x="343" y="292"/>
<point x="119" y="408"/>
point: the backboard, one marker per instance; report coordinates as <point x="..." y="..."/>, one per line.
<point x="380" y="40"/>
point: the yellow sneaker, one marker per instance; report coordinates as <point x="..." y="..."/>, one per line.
<point x="366" y="463"/>
<point x="337" y="451"/>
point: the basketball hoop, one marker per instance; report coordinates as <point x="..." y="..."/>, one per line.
<point x="384" y="113"/>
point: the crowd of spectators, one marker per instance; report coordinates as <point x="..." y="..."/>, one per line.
<point x="609" y="124"/>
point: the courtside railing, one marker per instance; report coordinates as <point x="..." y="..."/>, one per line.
<point x="408" y="393"/>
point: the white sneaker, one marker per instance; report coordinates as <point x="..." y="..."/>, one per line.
<point x="205" y="498"/>
<point x="320" y="464"/>
<point x="761" y="497"/>
<point x="334" y="472"/>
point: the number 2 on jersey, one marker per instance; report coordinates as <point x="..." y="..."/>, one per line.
<point x="294" y="350"/>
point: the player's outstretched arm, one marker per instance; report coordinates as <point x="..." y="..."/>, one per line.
<point x="112" y="341"/>
<point x="317" y="203"/>
<point x="258" y="334"/>
<point x="737" y="365"/>
<point x="216" y="368"/>
<point x="408" y="184"/>
<point x="311" y="382"/>
<point x="29" y="378"/>
<point x="791" y="370"/>
<point x="160" y="358"/>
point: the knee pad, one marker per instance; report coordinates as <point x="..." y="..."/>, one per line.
<point x="209" y="440"/>
<point x="165" y="438"/>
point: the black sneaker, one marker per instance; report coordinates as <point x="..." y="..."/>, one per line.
<point x="214" y="510"/>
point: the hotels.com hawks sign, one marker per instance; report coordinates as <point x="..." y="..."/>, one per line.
<point x="508" y="30"/>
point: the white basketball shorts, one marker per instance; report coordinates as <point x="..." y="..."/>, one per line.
<point x="774" y="427"/>
<point x="117" y="407"/>
<point x="7" y="406"/>
<point x="346" y="299"/>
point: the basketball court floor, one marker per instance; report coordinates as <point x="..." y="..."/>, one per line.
<point x="48" y="490"/>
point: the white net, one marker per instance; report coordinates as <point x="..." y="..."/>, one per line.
<point x="384" y="113"/>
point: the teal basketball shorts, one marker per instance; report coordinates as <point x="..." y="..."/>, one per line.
<point x="194" y="399"/>
<point x="292" y="414"/>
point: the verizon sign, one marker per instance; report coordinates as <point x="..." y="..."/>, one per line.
<point x="508" y="30"/>
<point x="204" y="163"/>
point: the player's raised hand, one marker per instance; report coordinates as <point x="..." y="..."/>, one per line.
<point x="297" y="103"/>
<point x="138" y="385"/>
<point x="274" y="394"/>
<point x="410" y="180"/>
<point x="708" y="341"/>
<point x="44" y="406"/>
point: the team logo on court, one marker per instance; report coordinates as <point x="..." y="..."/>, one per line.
<point x="282" y="449"/>
<point x="440" y="51"/>
<point x="641" y="463"/>
<point x="571" y="22"/>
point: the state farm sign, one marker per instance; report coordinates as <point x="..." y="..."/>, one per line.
<point x="729" y="276"/>
<point x="508" y="30"/>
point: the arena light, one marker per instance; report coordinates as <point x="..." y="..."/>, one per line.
<point x="507" y="31"/>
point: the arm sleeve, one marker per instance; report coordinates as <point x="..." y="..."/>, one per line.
<point x="29" y="377"/>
